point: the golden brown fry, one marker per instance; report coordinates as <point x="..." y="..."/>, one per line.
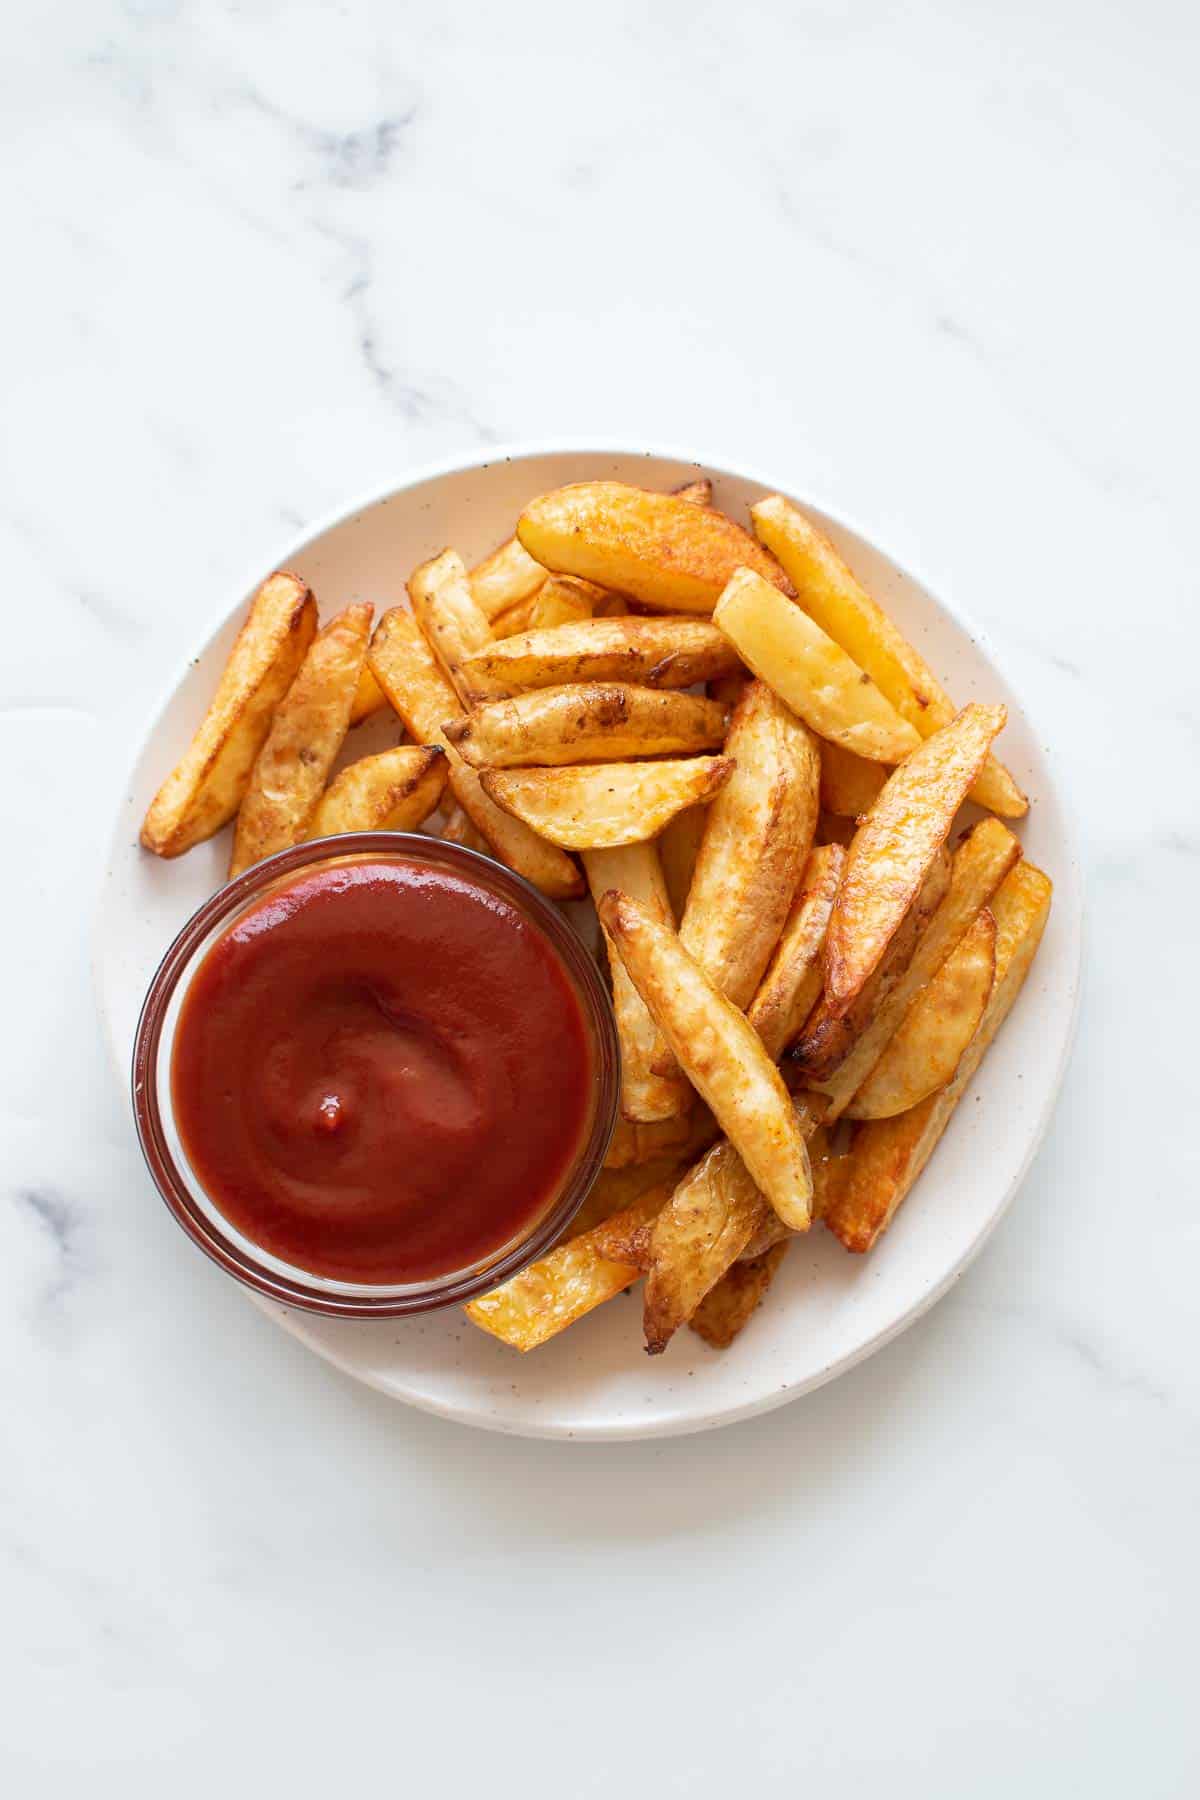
<point x="839" y="1056"/>
<point x="659" y="548"/>
<point x="394" y="791"/>
<point x="830" y="1039"/>
<point x="714" y="1213"/>
<point x="636" y="870"/>
<point x="564" y="600"/>
<point x="616" y="1189"/>
<point x="927" y="1048"/>
<point x="791" y="986"/>
<point x="888" y="1155"/>
<point x="598" y="806"/>
<point x="849" y="784"/>
<point x="728" y="1308"/>
<point x="513" y="619"/>
<point x="822" y="685"/>
<point x="587" y="722"/>
<point x="678" y="848"/>
<point x="543" y="1299"/>
<point x="895" y="845"/>
<point x="697" y="493"/>
<point x="683" y="1137"/>
<point x="409" y="675"/>
<point x="757" y="836"/>
<point x="447" y="612"/>
<point x="663" y="653"/>
<point x="828" y="1169"/>
<point x="308" y="730"/>
<point x="369" y="697"/>
<point x="719" y="1053"/>
<point x="505" y="578"/>
<point x="206" y="787"/>
<point x="832" y="596"/>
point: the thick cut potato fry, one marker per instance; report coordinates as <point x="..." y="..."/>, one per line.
<point x="369" y="697"/>
<point x="895" y="845"/>
<point x="832" y="596"/>
<point x="982" y="860"/>
<point x="888" y="1155"/>
<point x="829" y="1038"/>
<point x="458" y="829"/>
<point x="849" y="784"/>
<point x="409" y="675"/>
<point x="720" y="1054"/>
<point x="660" y="549"/>
<point x="447" y="612"/>
<point x="757" y="837"/>
<point x="728" y="1308"/>
<point x="614" y="1190"/>
<point x="394" y="791"/>
<point x="822" y="685"/>
<point x="514" y="619"/>
<point x="587" y="722"/>
<point x="543" y="1299"/>
<point x="564" y="600"/>
<point x="636" y="870"/>
<point x="505" y="578"/>
<point x="791" y="986"/>
<point x="308" y="730"/>
<point x="206" y="787"/>
<point x="678" y="848"/>
<point x="598" y="806"/>
<point x="925" y="1052"/>
<point x="828" y="1168"/>
<point x="663" y="653"/>
<point x="713" y="1214"/>
<point x="684" y="1137"/>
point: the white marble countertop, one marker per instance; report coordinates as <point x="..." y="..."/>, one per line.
<point x="939" y="262"/>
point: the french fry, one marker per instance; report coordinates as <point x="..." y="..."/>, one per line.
<point x="888" y="1155"/>
<point x="822" y="685"/>
<point x="895" y="845"/>
<point x="207" y="786"/>
<point x="828" y="1170"/>
<point x="409" y="675"/>
<point x="659" y="548"/>
<point x="697" y="493"/>
<point x="447" y="612"/>
<point x="791" y="986"/>
<point x="757" y="837"/>
<point x="684" y="1137"/>
<point x="563" y="600"/>
<point x="369" y="697"/>
<point x="927" y="1048"/>
<point x="636" y="870"/>
<point x="678" y="848"/>
<point x="505" y="578"/>
<point x="831" y="595"/>
<point x="513" y="619"/>
<point x="598" y="806"/>
<point x="728" y="1308"/>
<point x="574" y="1278"/>
<point x="714" y="1212"/>
<point x="663" y="653"/>
<point x="849" y="784"/>
<point x="394" y="791"/>
<point x="614" y="1190"/>
<point x="979" y="864"/>
<point x="718" y="1052"/>
<point x="587" y="722"/>
<point x="308" y="730"/>
<point x="829" y="1038"/>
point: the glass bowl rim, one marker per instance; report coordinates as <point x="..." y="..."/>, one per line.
<point x="572" y="956"/>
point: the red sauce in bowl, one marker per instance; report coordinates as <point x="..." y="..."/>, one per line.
<point x="381" y="1072"/>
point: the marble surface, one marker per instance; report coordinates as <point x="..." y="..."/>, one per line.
<point x="940" y="262"/>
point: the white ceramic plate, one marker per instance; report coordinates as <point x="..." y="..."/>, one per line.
<point x="827" y="1310"/>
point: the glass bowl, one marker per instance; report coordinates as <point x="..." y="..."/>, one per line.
<point x="168" y="1162"/>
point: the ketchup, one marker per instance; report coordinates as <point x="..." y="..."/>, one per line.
<point x="381" y="1072"/>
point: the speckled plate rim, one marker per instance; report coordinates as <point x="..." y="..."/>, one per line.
<point x="1068" y="898"/>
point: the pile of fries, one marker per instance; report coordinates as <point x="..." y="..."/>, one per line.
<point x="723" y="740"/>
